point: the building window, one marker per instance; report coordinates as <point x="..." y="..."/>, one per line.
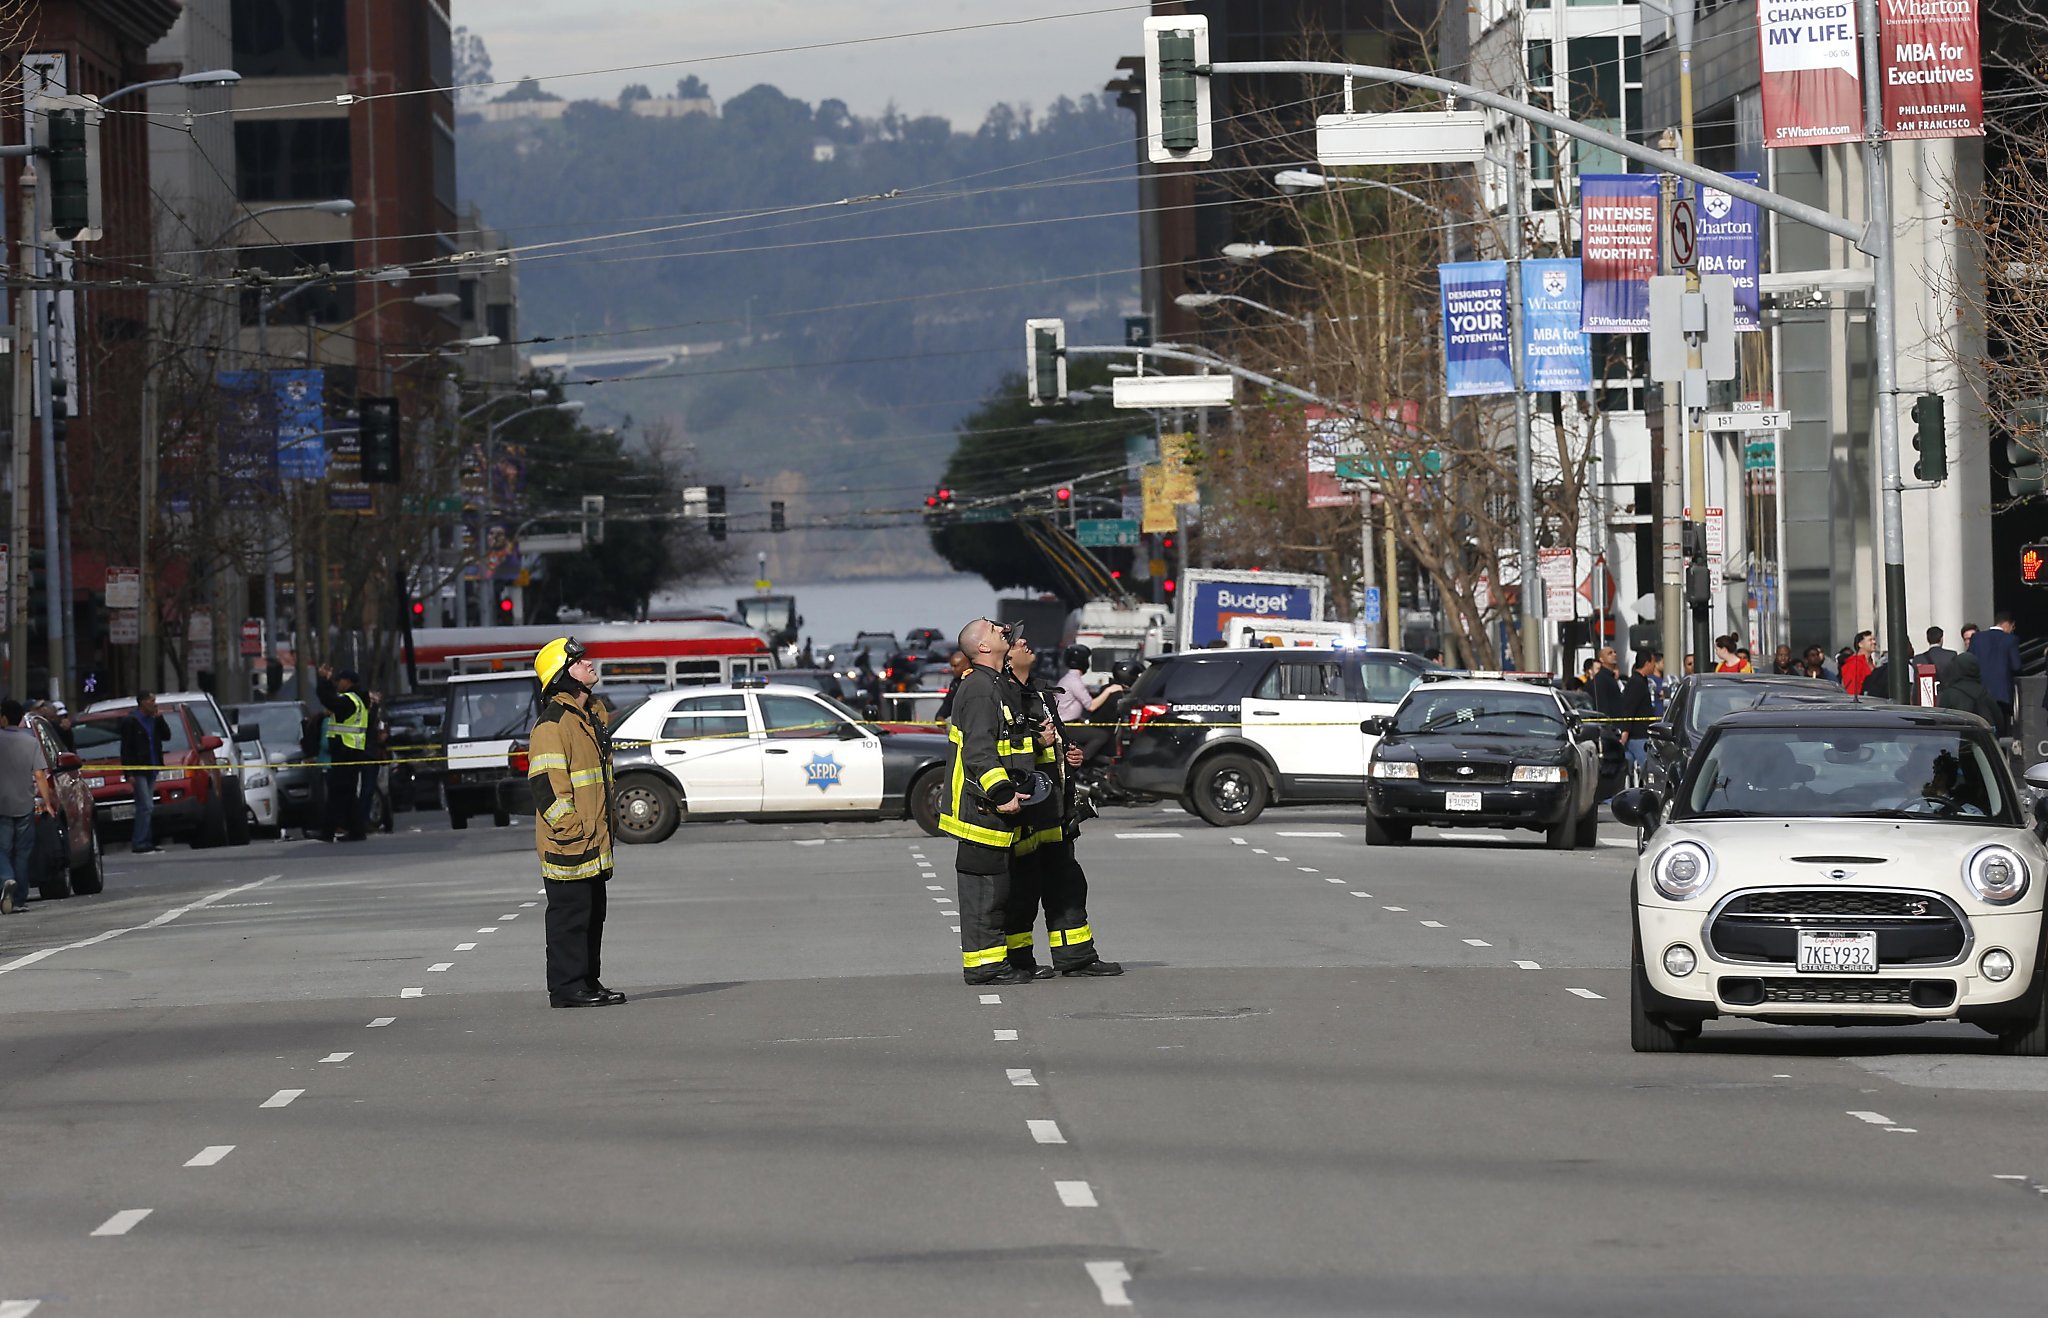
<point x="292" y="159"/>
<point x="498" y="321"/>
<point x="444" y="164"/>
<point x="290" y="38"/>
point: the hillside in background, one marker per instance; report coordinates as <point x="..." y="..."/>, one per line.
<point x="831" y="349"/>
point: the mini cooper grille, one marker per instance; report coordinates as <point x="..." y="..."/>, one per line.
<point x="1861" y="992"/>
<point x="1913" y="928"/>
<point x="1826" y="902"/>
<point x="1455" y="771"/>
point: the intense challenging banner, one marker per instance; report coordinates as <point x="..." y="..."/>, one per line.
<point x="1478" y="354"/>
<point x="1812" y="94"/>
<point x="1931" y="83"/>
<point x="1618" y="247"/>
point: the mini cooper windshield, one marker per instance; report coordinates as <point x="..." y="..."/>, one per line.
<point x="1468" y="711"/>
<point x="1847" y="773"/>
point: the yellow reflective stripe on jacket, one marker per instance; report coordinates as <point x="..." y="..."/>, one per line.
<point x="1047" y="754"/>
<point x="992" y="777"/>
<point x="1015" y="941"/>
<point x="988" y="837"/>
<point x="988" y="956"/>
<point x="1074" y="937"/>
<point x="586" y="777"/>
<point x="589" y="869"/>
<point x="562" y="806"/>
<point x="352" y="732"/>
<point x="542" y="763"/>
<point x="1057" y="833"/>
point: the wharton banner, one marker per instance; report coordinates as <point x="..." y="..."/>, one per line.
<point x="1557" y="357"/>
<point x="1618" y="249"/>
<point x="1478" y="354"/>
<point x="1731" y="243"/>
<point x="1811" y="89"/>
<point x="1931" y="82"/>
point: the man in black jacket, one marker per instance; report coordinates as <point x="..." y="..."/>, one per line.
<point x="988" y="774"/>
<point x="1639" y="705"/>
<point x="143" y="736"/>
<point x="347" y="736"/>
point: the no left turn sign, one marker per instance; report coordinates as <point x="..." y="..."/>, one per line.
<point x="1682" y="235"/>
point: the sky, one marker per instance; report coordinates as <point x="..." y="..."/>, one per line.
<point x="958" y="76"/>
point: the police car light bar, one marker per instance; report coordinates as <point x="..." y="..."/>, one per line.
<point x="1486" y="674"/>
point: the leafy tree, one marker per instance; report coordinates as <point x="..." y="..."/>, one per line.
<point x="529" y="89"/>
<point x="692" y="88"/>
<point x="635" y="92"/>
<point x="472" y="64"/>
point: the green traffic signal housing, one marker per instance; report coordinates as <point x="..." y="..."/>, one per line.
<point x="1930" y="439"/>
<point x="2028" y="475"/>
<point x="1178" y="122"/>
<point x="1045" y="361"/>
<point x="71" y="154"/>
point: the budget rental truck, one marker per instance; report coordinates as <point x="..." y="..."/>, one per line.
<point x="1220" y="605"/>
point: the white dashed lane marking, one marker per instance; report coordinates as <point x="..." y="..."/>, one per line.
<point x="1239" y="842"/>
<point x="337" y="1057"/>
<point x="1021" y="1077"/>
<point x="380" y="1022"/>
<point x="1076" y="1194"/>
<point x="1258" y="851"/>
<point x="509" y="915"/>
<point x="465" y="947"/>
<point x="1332" y="834"/>
<point x="440" y="966"/>
<point x="121" y="1223"/>
<point x="1046" y="1132"/>
<point x="1873" y="1118"/>
<point x="18" y="1308"/>
<point x="942" y="900"/>
<point x="1110" y="1278"/>
<point x="955" y="928"/>
<point x="1006" y="1036"/>
<point x="1402" y="909"/>
<point x="412" y="993"/>
<point x="1477" y="942"/>
<point x="1361" y="894"/>
<point x="991" y="999"/>
<point x="1586" y="993"/>
<point x="528" y="905"/>
<point x="933" y="887"/>
<point x="488" y="929"/>
<point x="1528" y="965"/>
<point x="282" y="1098"/>
<point x="210" y="1155"/>
<point x="1432" y="924"/>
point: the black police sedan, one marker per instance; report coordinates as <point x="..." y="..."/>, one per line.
<point x="1484" y="753"/>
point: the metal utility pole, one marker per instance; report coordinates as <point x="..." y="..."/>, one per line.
<point x="1695" y="358"/>
<point x="1525" y="479"/>
<point x="24" y="384"/>
<point x="1671" y="605"/>
<point x="1877" y="189"/>
<point x="147" y="667"/>
<point x="58" y="607"/>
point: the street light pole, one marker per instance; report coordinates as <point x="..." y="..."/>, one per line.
<point x="1525" y="478"/>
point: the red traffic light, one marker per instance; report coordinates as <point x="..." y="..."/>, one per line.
<point x="2034" y="565"/>
<point x="945" y="496"/>
<point x="1167" y="585"/>
<point x="931" y="500"/>
<point x="1115" y="575"/>
<point x="1167" y="543"/>
<point x="504" y="606"/>
<point x="1063" y="495"/>
<point x="419" y="609"/>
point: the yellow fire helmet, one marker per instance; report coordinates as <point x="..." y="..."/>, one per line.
<point x="554" y="657"/>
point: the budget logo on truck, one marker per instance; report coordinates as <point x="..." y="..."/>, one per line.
<point x="1215" y="604"/>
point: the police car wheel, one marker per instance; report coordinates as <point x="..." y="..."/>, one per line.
<point x="927" y="799"/>
<point x="645" y="809"/>
<point x="1229" y="790"/>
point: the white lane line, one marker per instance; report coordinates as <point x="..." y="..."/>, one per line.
<point x="1528" y="965"/>
<point x="1239" y="842"/>
<point x="1284" y="833"/>
<point x="1477" y="942"/>
<point x="465" y="947"/>
<point x="1021" y="1077"/>
<point x="157" y="923"/>
<point x="1402" y="909"/>
<point x="509" y="915"/>
<point x="1076" y="1194"/>
<point x="380" y="1022"/>
<point x="1361" y="894"/>
<point x="1586" y="993"/>
<point x="1258" y="851"/>
<point x="1284" y="860"/>
<point x="955" y="914"/>
<point x="1006" y="1036"/>
<point x="282" y="1098"/>
<point x="1306" y="870"/>
<point x="811" y="842"/>
<point x="121" y="1223"/>
<point x="991" y="999"/>
<point x="1130" y="836"/>
<point x="1046" y="1132"/>
<point x="488" y="929"/>
<point x="412" y="993"/>
<point x="1110" y="1279"/>
<point x="1902" y="1130"/>
<point x="955" y="928"/>
<point x="527" y="905"/>
<point x="337" y="1057"/>
<point x="1328" y="879"/>
<point x="210" y="1155"/>
<point x="440" y="966"/>
<point x="933" y="887"/>
<point x="18" y="1308"/>
<point x="942" y="900"/>
<point x="1432" y="924"/>
<point x="1874" y="1118"/>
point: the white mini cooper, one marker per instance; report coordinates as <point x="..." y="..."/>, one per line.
<point x="1840" y="865"/>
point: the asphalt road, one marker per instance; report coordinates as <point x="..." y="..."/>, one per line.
<point x="297" y="1079"/>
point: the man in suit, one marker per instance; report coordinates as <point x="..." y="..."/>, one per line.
<point x="1937" y="654"/>
<point x="1998" y="656"/>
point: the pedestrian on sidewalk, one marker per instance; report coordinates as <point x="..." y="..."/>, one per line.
<point x="25" y="792"/>
<point x="1964" y="690"/>
<point x="1998" y="659"/>
<point x="347" y="734"/>
<point x="1857" y="664"/>
<point x="569" y="772"/>
<point x="144" y="734"/>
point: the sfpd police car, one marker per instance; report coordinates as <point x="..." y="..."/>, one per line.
<point x="762" y="751"/>
<point x="1229" y="732"/>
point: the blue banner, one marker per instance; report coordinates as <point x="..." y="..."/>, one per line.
<point x="1478" y="354"/>
<point x="1618" y="249"/>
<point x="1732" y="243"/>
<point x="1557" y="357"/>
<point x="280" y="431"/>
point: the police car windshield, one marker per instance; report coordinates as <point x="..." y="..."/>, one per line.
<point x="1469" y="711"/>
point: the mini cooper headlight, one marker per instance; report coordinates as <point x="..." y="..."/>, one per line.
<point x="1682" y="870"/>
<point x="1395" y="769"/>
<point x="1538" y="773"/>
<point x="1996" y="874"/>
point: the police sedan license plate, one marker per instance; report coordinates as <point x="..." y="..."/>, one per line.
<point x="1461" y="800"/>
<point x="1838" y="951"/>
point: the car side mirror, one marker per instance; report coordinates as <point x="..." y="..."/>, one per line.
<point x="243" y="732"/>
<point x="279" y="757"/>
<point x="1376" y="726"/>
<point x="210" y="743"/>
<point x="1637" y="807"/>
<point x="67" y="761"/>
<point x="2037" y="776"/>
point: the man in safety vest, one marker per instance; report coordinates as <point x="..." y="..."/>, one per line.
<point x="986" y="781"/>
<point x="346" y="734"/>
<point x="569" y="771"/>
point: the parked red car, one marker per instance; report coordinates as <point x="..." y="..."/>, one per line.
<point x="192" y="801"/>
<point x="68" y="846"/>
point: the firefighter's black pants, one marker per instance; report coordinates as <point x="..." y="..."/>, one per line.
<point x="1050" y="878"/>
<point x="575" y="920"/>
<point x="983" y="876"/>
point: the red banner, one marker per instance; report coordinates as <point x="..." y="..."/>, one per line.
<point x="1931" y="83"/>
<point x="1812" y="93"/>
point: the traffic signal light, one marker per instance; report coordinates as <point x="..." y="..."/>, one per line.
<point x="776" y="520"/>
<point x="504" y="606"/>
<point x="1177" y="107"/>
<point x="1167" y="585"/>
<point x="2034" y="565"/>
<point x="714" y="511"/>
<point x="377" y="437"/>
<point x="1063" y="494"/>
<point x="1930" y="438"/>
<point x="593" y="519"/>
<point x="419" y="613"/>
<point x="1045" y="361"/>
<point x="2028" y="476"/>
<point x="72" y="135"/>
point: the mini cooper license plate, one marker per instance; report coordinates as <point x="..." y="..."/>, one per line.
<point x="1461" y="800"/>
<point x="1838" y="951"/>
